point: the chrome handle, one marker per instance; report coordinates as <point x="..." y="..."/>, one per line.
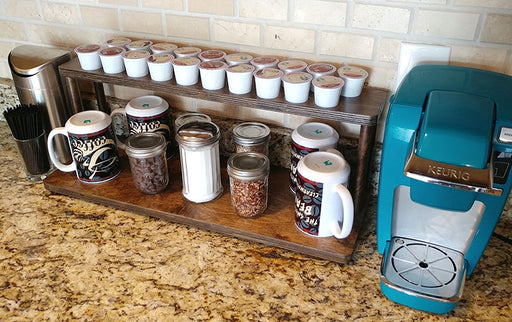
<point x="449" y="175"/>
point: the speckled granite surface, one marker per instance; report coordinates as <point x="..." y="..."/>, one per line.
<point x="66" y="259"/>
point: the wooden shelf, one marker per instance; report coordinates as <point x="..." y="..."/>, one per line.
<point x="276" y="227"/>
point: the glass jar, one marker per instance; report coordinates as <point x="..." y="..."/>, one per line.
<point x="148" y="162"/>
<point x="251" y="137"/>
<point x="248" y="180"/>
<point x="190" y="117"/>
<point x="200" y="166"/>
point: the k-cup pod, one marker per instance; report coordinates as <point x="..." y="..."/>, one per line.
<point x="112" y="59"/>
<point x="240" y="78"/>
<point x="186" y="70"/>
<point x="292" y="65"/>
<point x="265" y="62"/>
<point x="141" y="44"/>
<point x="118" y="42"/>
<point x="135" y="62"/>
<point x="213" y="74"/>
<point x="320" y="69"/>
<point x="160" y="66"/>
<point x="327" y="90"/>
<point x="307" y="138"/>
<point x="238" y="59"/>
<point x="93" y="147"/>
<point x="267" y="82"/>
<point x="212" y="54"/>
<point x="183" y="52"/>
<point x="88" y="56"/>
<point x="323" y="203"/>
<point x="163" y="48"/>
<point x="354" y="78"/>
<point x="296" y="86"/>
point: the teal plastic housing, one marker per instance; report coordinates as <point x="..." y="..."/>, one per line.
<point x="479" y="105"/>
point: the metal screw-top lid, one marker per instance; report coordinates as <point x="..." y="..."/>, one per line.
<point x="145" y="145"/>
<point x="248" y="165"/>
<point x="251" y="133"/>
<point x="198" y="134"/>
<point x="190" y="117"/>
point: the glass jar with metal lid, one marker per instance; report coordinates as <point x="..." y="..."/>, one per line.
<point x="148" y="162"/>
<point x="190" y="117"/>
<point x="248" y="180"/>
<point x="251" y="137"/>
<point x="200" y="166"/>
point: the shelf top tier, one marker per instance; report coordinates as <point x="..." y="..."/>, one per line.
<point x="363" y="110"/>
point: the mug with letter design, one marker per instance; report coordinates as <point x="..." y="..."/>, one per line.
<point x="93" y="147"/>
<point x="323" y="203"/>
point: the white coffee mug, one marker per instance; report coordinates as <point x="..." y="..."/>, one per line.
<point x="323" y="203"/>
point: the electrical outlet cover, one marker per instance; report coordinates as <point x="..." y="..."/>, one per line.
<point x="415" y="54"/>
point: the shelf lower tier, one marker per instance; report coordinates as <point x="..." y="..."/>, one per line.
<point x="275" y="227"/>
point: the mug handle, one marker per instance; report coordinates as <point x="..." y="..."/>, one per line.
<point x="348" y="213"/>
<point x="122" y="111"/>
<point x="51" y="150"/>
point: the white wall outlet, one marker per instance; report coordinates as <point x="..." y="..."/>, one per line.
<point x="415" y="54"/>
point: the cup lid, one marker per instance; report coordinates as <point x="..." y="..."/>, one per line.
<point x="328" y="81"/>
<point x="145" y="144"/>
<point x="111" y="51"/>
<point x="186" y="61"/>
<point x="268" y="73"/>
<point x="297" y="77"/>
<point x="167" y="46"/>
<point x="187" y="50"/>
<point x="87" y="48"/>
<point x="248" y="165"/>
<point x="324" y="166"/>
<point x="265" y="61"/>
<point x="352" y="72"/>
<point x="292" y="65"/>
<point x="139" y="44"/>
<point x="213" y="64"/>
<point x="87" y="122"/>
<point x="212" y="54"/>
<point x="315" y="134"/>
<point x="115" y="42"/>
<point x="250" y="133"/>
<point x="242" y="68"/>
<point x="136" y="54"/>
<point x="146" y="105"/>
<point x="160" y="58"/>
<point x="321" y="69"/>
<point x="238" y="58"/>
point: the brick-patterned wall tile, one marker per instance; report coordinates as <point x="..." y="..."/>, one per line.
<point x="498" y="29"/>
<point x="60" y="13"/>
<point x="233" y="32"/>
<point x="320" y="12"/>
<point x="62" y="36"/>
<point x="217" y="7"/>
<point x="188" y="27"/>
<point x="12" y="30"/>
<point x="346" y="45"/>
<point x="373" y="17"/>
<point x="163" y="4"/>
<point x="504" y="4"/>
<point x="294" y="39"/>
<point x="21" y="9"/>
<point x="264" y="9"/>
<point x="129" y="3"/>
<point x="100" y="17"/>
<point x="446" y="24"/>
<point x="144" y="22"/>
<point x="389" y="50"/>
<point x="479" y="57"/>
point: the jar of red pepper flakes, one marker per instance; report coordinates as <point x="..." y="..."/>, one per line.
<point x="248" y="179"/>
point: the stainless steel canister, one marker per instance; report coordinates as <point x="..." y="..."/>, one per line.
<point x="200" y="165"/>
<point x="35" y="73"/>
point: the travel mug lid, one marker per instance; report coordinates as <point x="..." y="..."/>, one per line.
<point x="87" y="122"/>
<point x="315" y="134"/>
<point x="251" y="133"/>
<point x="248" y="165"/>
<point x="146" y="105"/>
<point x="145" y="144"/>
<point x="325" y="167"/>
<point x="198" y="134"/>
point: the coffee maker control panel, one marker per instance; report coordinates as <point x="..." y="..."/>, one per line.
<point x="502" y="161"/>
<point x="505" y="135"/>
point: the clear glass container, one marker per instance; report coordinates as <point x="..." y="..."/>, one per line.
<point x="148" y="162"/>
<point x="251" y="137"/>
<point x="200" y="165"/>
<point x="190" y="117"/>
<point x="248" y="180"/>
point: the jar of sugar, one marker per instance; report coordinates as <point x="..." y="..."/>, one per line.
<point x="200" y="165"/>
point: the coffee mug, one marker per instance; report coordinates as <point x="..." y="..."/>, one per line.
<point x="146" y="114"/>
<point x="323" y="203"/>
<point x="93" y="147"/>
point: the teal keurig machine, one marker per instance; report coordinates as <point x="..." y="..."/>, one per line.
<point x="444" y="179"/>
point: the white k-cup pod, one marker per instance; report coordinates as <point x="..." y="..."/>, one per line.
<point x="238" y="59"/>
<point x="163" y="48"/>
<point x="186" y="70"/>
<point x="327" y="90"/>
<point x="296" y="86"/>
<point x="354" y="78"/>
<point x="160" y="66"/>
<point x="141" y="44"/>
<point x="118" y="42"/>
<point x="112" y="59"/>
<point x="264" y="62"/>
<point x="135" y="62"/>
<point x="211" y="55"/>
<point x="188" y="51"/>
<point x="320" y="69"/>
<point x="292" y="65"/>
<point x="88" y="56"/>
<point x="213" y="74"/>
<point x="240" y="78"/>
<point x="268" y="82"/>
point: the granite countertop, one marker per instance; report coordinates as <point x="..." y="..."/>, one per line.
<point x="64" y="258"/>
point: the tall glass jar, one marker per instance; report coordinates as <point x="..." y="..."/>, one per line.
<point x="248" y="180"/>
<point x="200" y="165"/>
<point x="190" y="117"/>
<point x="148" y="162"/>
<point x="251" y="137"/>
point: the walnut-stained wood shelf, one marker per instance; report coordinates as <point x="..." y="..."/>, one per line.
<point x="276" y="227"/>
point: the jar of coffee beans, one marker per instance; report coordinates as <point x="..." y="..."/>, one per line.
<point x="248" y="178"/>
<point x="148" y="163"/>
<point x="251" y="137"/>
